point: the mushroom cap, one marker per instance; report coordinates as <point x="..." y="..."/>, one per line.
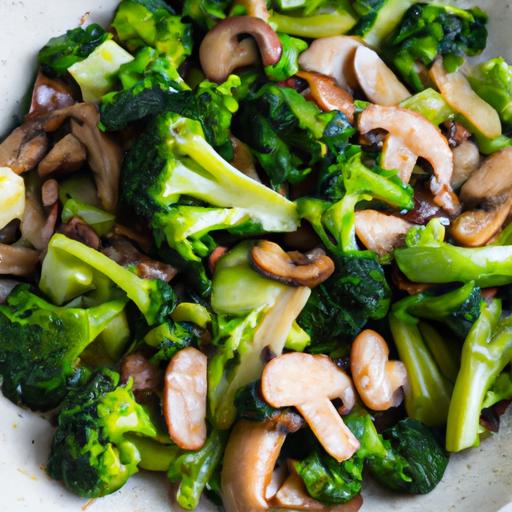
<point x="378" y="82"/>
<point x="396" y="155"/>
<point x="184" y="400"/>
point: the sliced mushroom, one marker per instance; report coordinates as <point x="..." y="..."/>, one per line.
<point x="50" y="192"/>
<point x="221" y="51"/>
<point x="328" y="95"/>
<point x="278" y="475"/>
<point x="17" y="260"/>
<point x="423" y="139"/>
<point x="23" y="149"/>
<point x="184" y="399"/>
<point x="293" y="496"/>
<point x="12" y="196"/>
<point x="491" y="180"/>
<point x="378" y="82"/>
<point x="378" y="381"/>
<point x="36" y="226"/>
<point x="379" y="232"/>
<point x="458" y="93"/>
<point x="293" y="268"/>
<point x="309" y="383"/>
<point x="243" y="160"/>
<point x="474" y="228"/>
<point x="396" y="155"/>
<point x="68" y="155"/>
<point x="146" y="376"/>
<point x="256" y="8"/>
<point x="249" y="460"/>
<point x="122" y="251"/>
<point x="77" y="229"/>
<point x="333" y="57"/>
<point x="143" y="240"/>
<point x="457" y="133"/>
<point x="215" y="256"/>
<point x="466" y="160"/>
<point x="49" y="94"/>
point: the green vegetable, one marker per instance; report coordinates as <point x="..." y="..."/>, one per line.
<point x="91" y="452"/>
<point x="174" y="156"/>
<point x="378" y="18"/>
<point x="40" y="345"/>
<point x="427" y="396"/>
<point x="152" y="23"/>
<point x="287" y="134"/>
<point x="205" y="12"/>
<point x="193" y="313"/>
<point x="429" y="30"/>
<point x="251" y="406"/>
<point x="63" y="51"/>
<point x="486" y="352"/>
<point x="96" y="75"/>
<point x="288" y="64"/>
<point x="499" y="391"/>
<point x="431" y="105"/>
<point x="71" y="268"/>
<point x="101" y="221"/>
<point x="80" y="187"/>
<point x="458" y="309"/>
<point x="492" y="81"/>
<point x="193" y="470"/>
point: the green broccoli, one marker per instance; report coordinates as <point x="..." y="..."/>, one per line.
<point x="205" y="12"/>
<point x="75" y="45"/>
<point x="152" y="23"/>
<point x="492" y="81"/>
<point x="429" y="30"/>
<point x="173" y="176"/>
<point x="91" y="452"/>
<point x="288" y="64"/>
<point x="487" y="350"/>
<point x="378" y="18"/>
<point x="288" y="134"/>
<point x="446" y="263"/>
<point x="40" y="346"/>
<point x="71" y="268"/>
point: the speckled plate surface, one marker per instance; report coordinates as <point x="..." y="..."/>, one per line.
<point x="479" y="480"/>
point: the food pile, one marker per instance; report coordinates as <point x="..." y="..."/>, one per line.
<point x="263" y="247"/>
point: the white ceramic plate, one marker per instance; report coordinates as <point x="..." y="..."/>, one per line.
<point x="477" y="481"/>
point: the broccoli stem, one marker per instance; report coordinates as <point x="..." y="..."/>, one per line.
<point x="427" y="395"/>
<point x="486" y="352"/>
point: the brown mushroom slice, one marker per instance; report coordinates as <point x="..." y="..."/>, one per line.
<point x="378" y="381"/>
<point x="49" y="94"/>
<point x="466" y="160"/>
<point x="327" y="95"/>
<point x="396" y="155"/>
<point x="458" y="93"/>
<point x="221" y="51"/>
<point x="378" y="82"/>
<point x="17" y="260"/>
<point x="243" y="160"/>
<point x="68" y="155"/>
<point x="50" y="192"/>
<point x="379" y="232"/>
<point x="256" y="8"/>
<point x="37" y="227"/>
<point x="146" y="376"/>
<point x="278" y="478"/>
<point x="423" y="139"/>
<point x="184" y="399"/>
<point x="333" y="57"/>
<point x="79" y="230"/>
<point x="293" y="268"/>
<point x="23" y="149"/>
<point x="474" y="228"/>
<point x="249" y="460"/>
<point x="293" y="496"/>
<point x="309" y="383"/>
<point x="491" y="180"/>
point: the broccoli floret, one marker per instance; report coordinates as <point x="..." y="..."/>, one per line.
<point x="172" y="167"/>
<point x="75" y="45"/>
<point x="458" y="309"/>
<point x="378" y="18"/>
<point x="71" y="268"/>
<point x="288" y="64"/>
<point x="492" y="81"/>
<point x="193" y="470"/>
<point x="40" y="345"/>
<point x="90" y="452"/>
<point x="288" y="134"/>
<point x="446" y="263"/>
<point x="205" y="12"/>
<point x="487" y="350"/>
<point x="427" y="31"/>
<point x="152" y="23"/>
